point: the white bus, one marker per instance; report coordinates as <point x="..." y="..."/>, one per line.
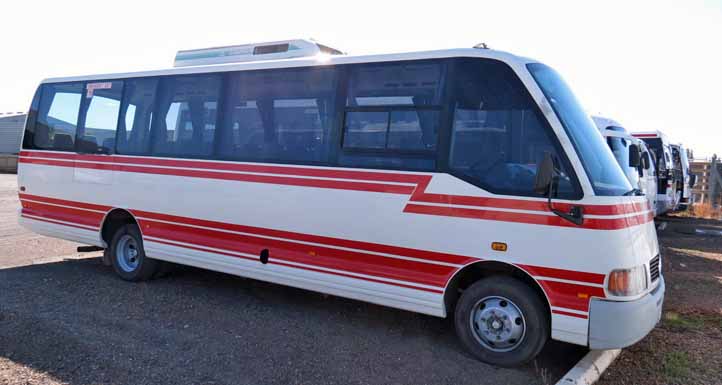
<point x="684" y="186"/>
<point x="465" y="182"/>
<point x="669" y="170"/>
<point x="633" y="156"/>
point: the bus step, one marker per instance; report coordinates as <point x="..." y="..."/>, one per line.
<point x="89" y="249"/>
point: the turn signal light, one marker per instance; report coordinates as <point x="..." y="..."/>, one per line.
<point x="627" y="282"/>
<point x="498" y="246"/>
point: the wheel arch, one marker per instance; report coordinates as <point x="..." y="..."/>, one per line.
<point x="475" y="271"/>
<point x="113" y="219"/>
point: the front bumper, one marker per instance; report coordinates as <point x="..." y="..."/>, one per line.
<point x="614" y="325"/>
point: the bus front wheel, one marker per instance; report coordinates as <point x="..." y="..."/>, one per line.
<point x="128" y="256"/>
<point x="502" y="321"/>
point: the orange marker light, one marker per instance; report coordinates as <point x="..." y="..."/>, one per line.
<point x="583" y="295"/>
<point x="498" y="246"/>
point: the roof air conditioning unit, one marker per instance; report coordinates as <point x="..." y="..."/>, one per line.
<point x="252" y="52"/>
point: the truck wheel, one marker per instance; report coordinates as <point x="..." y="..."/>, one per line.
<point x="128" y="257"/>
<point x="502" y="321"/>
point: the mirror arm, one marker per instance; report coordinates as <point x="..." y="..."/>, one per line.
<point x="575" y="214"/>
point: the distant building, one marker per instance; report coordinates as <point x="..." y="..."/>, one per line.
<point x="11" y="133"/>
<point x="708" y="188"/>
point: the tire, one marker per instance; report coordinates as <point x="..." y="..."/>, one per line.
<point x="128" y="256"/>
<point x="501" y="297"/>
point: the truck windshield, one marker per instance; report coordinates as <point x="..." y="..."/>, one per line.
<point x="602" y="169"/>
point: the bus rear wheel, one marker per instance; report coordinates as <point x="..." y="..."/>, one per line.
<point x="128" y="256"/>
<point x="502" y="321"/>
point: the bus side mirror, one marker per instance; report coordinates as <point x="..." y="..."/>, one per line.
<point x="646" y="162"/>
<point x="634" y="156"/>
<point x="547" y="179"/>
<point x="546" y="176"/>
<point x="692" y="180"/>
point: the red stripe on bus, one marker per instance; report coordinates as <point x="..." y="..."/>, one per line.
<point x="75" y="213"/>
<point x="560" y="294"/>
<point x="64" y="202"/>
<point x="645" y="135"/>
<point x="267" y="179"/>
<point x="239" y="167"/>
<point x="353" y="261"/>
<point x="281" y="263"/>
<point x="569" y="295"/>
<point x="270" y="179"/>
<point x="80" y="217"/>
<point x="282" y="170"/>
<point x="571" y="275"/>
<point x="520" y="204"/>
<point x="48" y="220"/>
<point x="419" y="194"/>
<point x="528" y="218"/>
<point x="323" y="240"/>
<point x="566" y="313"/>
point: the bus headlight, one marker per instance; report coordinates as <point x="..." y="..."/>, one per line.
<point x="627" y="282"/>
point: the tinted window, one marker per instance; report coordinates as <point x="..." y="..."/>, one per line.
<point x="393" y="113"/>
<point x="136" y="115"/>
<point x="279" y="115"/>
<point x="620" y="149"/>
<point x="101" y="107"/>
<point x="366" y="129"/>
<point x="57" y="120"/>
<point x="29" y="137"/>
<point x="656" y="147"/>
<point x="187" y="113"/>
<point x="607" y="179"/>
<point x="498" y="137"/>
<point x="393" y="129"/>
<point x="410" y="83"/>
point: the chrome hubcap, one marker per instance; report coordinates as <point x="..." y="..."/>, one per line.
<point x="127" y="253"/>
<point x="498" y="324"/>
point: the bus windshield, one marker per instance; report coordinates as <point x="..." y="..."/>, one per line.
<point x="620" y="149"/>
<point x="602" y="169"/>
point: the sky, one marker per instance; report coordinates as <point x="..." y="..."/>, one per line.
<point x="651" y="65"/>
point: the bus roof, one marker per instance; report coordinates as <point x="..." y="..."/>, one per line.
<point x="650" y="134"/>
<point x="321" y="60"/>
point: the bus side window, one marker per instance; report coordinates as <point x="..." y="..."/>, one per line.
<point x="393" y="113"/>
<point x="101" y="108"/>
<point x="136" y="115"/>
<point x="187" y="108"/>
<point x="497" y="136"/>
<point x="57" y="119"/>
<point x="281" y="115"/>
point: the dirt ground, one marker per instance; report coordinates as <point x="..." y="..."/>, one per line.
<point x="686" y="348"/>
<point x="66" y="319"/>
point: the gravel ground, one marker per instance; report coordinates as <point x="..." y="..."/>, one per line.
<point x="65" y="318"/>
<point x="686" y="347"/>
